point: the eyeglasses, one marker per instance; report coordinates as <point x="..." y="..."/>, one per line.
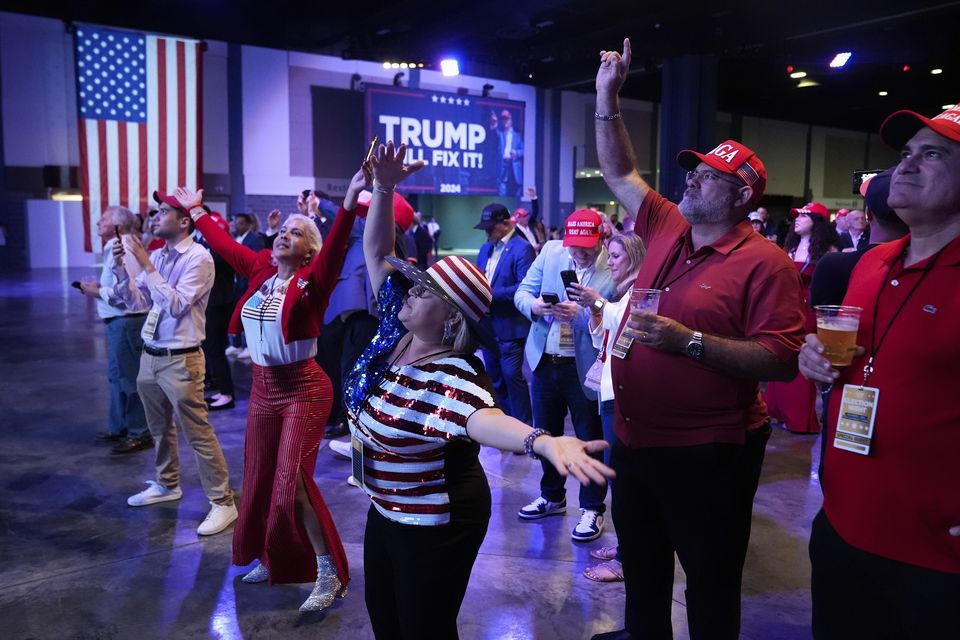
<point x="710" y="176"/>
<point x="418" y="291"/>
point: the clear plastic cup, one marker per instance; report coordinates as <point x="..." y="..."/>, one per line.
<point x="837" y="327"/>
<point x="646" y="300"/>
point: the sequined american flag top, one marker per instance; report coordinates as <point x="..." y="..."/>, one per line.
<point x="139" y="99"/>
<point x="404" y="426"/>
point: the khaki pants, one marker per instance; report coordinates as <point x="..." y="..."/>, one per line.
<point x="172" y="387"/>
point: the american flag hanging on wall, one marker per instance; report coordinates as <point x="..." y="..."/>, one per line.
<point x="140" y="114"/>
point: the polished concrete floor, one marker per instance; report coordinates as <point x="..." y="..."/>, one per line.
<point x="77" y="562"/>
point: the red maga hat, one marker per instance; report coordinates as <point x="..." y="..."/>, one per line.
<point x="812" y="209"/>
<point x="900" y="126"/>
<point x="402" y="210"/>
<point x="582" y="229"/>
<point x="733" y="158"/>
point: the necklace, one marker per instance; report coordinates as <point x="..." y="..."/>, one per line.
<point x="269" y="298"/>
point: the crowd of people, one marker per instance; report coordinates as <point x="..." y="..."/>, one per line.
<point x="671" y="340"/>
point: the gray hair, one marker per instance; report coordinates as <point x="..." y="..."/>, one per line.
<point x="124" y="218"/>
<point x="311" y="233"/>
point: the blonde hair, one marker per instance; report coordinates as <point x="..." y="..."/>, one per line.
<point x="310" y="232"/>
<point x="633" y="246"/>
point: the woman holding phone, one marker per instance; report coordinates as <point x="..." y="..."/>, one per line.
<point x="284" y="522"/>
<point x="625" y="252"/>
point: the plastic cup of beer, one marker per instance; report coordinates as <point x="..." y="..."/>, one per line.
<point x="837" y="329"/>
<point x="645" y="300"/>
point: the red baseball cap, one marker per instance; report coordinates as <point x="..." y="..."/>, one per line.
<point x="402" y="210"/>
<point x="521" y="213"/>
<point x="163" y="198"/>
<point x="733" y="158"/>
<point x="582" y="229"/>
<point x="843" y="212"/>
<point x="900" y="126"/>
<point x="812" y="209"/>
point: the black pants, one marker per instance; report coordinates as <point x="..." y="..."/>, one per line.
<point x="861" y="595"/>
<point x="215" y="346"/>
<point x="695" y="502"/>
<point x="415" y="577"/>
<point x="340" y="345"/>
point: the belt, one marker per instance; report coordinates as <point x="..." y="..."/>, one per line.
<point x="124" y="317"/>
<point x="555" y="359"/>
<point x="168" y="352"/>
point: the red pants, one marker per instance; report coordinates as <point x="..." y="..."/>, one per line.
<point x="289" y="405"/>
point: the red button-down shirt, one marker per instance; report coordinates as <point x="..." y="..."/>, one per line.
<point x="742" y="287"/>
<point x="900" y="501"/>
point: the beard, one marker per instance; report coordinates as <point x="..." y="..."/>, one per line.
<point x="696" y="210"/>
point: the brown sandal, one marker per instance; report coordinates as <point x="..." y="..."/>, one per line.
<point x="605" y="553"/>
<point x="610" y="571"/>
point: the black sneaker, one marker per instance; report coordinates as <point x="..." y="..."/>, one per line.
<point x="109" y="436"/>
<point x="541" y="508"/>
<point x="129" y="445"/>
<point x="590" y="526"/>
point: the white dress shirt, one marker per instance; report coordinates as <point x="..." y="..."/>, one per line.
<point x="177" y="292"/>
<point x="494" y="258"/>
<point x="110" y="305"/>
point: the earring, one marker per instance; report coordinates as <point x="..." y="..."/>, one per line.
<point x="447" y="333"/>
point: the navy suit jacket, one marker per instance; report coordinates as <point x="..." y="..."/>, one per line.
<point x="517" y="256"/>
<point x="516" y="145"/>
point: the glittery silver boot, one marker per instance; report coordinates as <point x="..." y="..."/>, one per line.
<point x="327" y="587"/>
<point x="259" y="574"/>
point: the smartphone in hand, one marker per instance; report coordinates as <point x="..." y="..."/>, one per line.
<point x="550" y="298"/>
<point x="569" y="276"/>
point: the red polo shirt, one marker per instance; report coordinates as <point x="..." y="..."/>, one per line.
<point x="743" y="287"/>
<point x="900" y="501"/>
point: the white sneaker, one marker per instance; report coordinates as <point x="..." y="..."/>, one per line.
<point x="154" y="493"/>
<point x="219" y="518"/>
<point x="231" y="351"/>
<point x="340" y="448"/>
<point x="590" y="526"/>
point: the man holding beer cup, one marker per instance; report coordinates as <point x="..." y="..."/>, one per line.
<point x="885" y="548"/>
<point x="716" y="308"/>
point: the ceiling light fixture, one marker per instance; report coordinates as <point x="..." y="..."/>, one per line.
<point x="948" y="106"/>
<point x="450" y="67"/>
<point x="936" y="72"/>
<point x="807" y="83"/>
<point x="386" y="65"/>
<point x="882" y="93"/>
<point x="840" y="59"/>
<point x="796" y="75"/>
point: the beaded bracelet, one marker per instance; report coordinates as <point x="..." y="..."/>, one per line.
<point x="615" y="116"/>
<point x="528" y="442"/>
<point x="200" y="212"/>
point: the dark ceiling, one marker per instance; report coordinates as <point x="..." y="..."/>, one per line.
<point x="554" y="43"/>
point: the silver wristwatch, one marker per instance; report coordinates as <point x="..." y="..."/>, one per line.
<point x="695" y="346"/>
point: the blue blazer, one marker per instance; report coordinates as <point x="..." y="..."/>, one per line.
<point x="544" y="275"/>
<point x="517" y="256"/>
<point x="354" y="291"/>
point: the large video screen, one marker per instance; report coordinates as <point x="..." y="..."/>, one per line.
<point x="472" y="145"/>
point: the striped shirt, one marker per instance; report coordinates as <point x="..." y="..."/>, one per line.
<point x="407" y="425"/>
